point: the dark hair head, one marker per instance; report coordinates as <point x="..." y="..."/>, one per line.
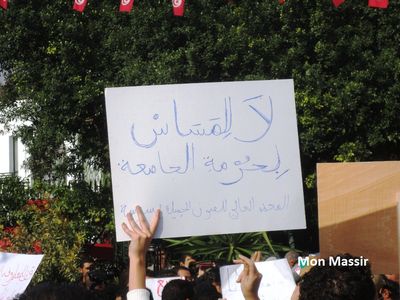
<point x="213" y="275"/>
<point x="391" y="288"/>
<point x="205" y="291"/>
<point x="177" y="289"/>
<point x="85" y="259"/>
<point x="182" y="258"/>
<point x="55" y="291"/>
<point x="335" y="282"/>
<point x="184" y="276"/>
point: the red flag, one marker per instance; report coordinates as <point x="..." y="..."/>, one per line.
<point x="281" y="2"/>
<point x="378" y="3"/>
<point x="178" y="7"/>
<point x="3" y="4"/>
<point x="337" y="2"/>
<point x="126" y="5"/>
<point x="79" y="5"/>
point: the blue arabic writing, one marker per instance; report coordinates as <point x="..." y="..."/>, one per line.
<point x="233" y="208"/>
<point x="150" y="169"/>
<point x="266" y="117"/>
<point x="215" y="126"/>
<point x="234" y="171"/>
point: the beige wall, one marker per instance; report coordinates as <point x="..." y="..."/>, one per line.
<point x="357" y="211"/>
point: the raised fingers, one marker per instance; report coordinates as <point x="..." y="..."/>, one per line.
<point x="249" y="265"/>
<point x="141" y="227"/>
<point x="246" y="260"/>
<point x="256" y="256"/>
<point x="127" y="230"/>
<point x="144" y="225"/>
<point x="134" y="226"/>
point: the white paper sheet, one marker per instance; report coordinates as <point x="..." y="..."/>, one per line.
<point x="277" y="282"/>
<point x="207" y="153"/>
<point x="16" y="271"/>
<point x="156" y="285"/>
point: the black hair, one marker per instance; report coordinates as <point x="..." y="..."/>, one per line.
<point x="182" y="258"/>
<point x="335" y="282"/>
<point x="392" y="288"/>
<point x="85" y="259"/>
<point x="177" y="289"/>
<point x="213" y="275"/>
<point x="205" y="291"/>
<point x="56" y="291"/>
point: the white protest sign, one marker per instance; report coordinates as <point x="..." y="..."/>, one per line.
<point x="277" y="282"/>
<point x="156" y="285"/>
<point x="16" y="271"/>
<point x="203" y="153"/>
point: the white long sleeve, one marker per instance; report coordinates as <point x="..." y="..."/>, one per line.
<point x="138" y="294"/>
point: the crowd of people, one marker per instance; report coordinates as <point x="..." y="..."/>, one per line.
<point x="322" y="282"/>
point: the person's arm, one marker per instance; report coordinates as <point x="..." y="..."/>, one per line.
<point x="249" y="279"/>
<point x="138" y="294"/>
<point x="141" y="235"/>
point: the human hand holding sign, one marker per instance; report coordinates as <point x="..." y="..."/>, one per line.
<point x="249" y="278"/>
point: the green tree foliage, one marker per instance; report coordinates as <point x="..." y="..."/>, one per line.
<point x="42" y="227"/>
<point x="55" y="220"/>
<point x="226" y="247"/>
<point x="345" y="63"/>
<point x="14" y="193"/>
<point x="349" y="102"/>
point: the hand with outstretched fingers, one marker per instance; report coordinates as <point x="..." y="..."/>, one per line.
<point x="141" y="234"/>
